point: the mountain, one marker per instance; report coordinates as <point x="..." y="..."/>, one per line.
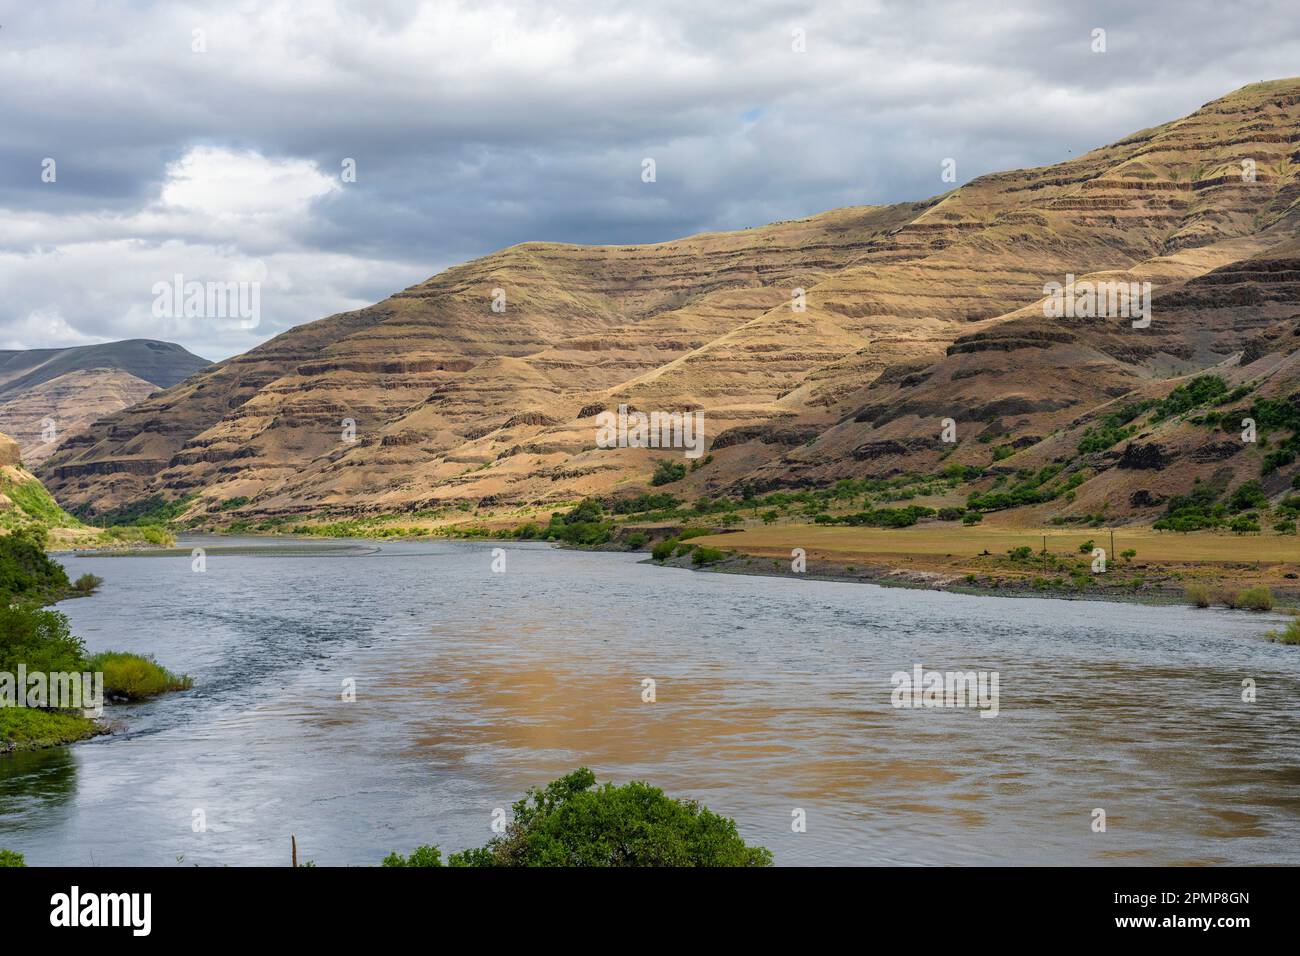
<point x="912" y="313"/>
<point x="47" y="395"/>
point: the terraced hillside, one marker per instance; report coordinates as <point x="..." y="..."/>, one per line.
<point x="909" y="314"/>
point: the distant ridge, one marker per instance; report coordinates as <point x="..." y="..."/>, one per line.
<point x="160" y="363"/>
<point x="48" y="395"/>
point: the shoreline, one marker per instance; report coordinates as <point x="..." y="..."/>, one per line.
<point x="835" y="574"/>
<point x="1151" y="569"/>
<point x="42" y="729"/>
<point x="907" y="559"/>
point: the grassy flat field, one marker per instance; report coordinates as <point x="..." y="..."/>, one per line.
<point x="842" y="544"/>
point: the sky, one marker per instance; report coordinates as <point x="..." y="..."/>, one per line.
<point x="216" y="142"/>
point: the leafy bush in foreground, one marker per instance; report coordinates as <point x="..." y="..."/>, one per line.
<point x="38" y="639"/>
<point x="422" y="856"/>
<point x="571" y="824"/>
<point x="26" y="574"/>
<point x="135" y="677"/>
<point x="10" y="858"/>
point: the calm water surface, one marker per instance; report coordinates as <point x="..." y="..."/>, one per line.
<point x="773" y="694"/>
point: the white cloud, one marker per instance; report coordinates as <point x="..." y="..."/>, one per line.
<point x="221" y="216"/>
<point x="243" y="187"/>
<point x="479" y="124"/>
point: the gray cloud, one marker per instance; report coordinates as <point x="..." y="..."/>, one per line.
<point x="477" y="126"/>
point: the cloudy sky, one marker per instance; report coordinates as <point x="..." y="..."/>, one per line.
<point x="208" y="140"/>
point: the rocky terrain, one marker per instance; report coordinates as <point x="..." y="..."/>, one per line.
<point x="47" y="395"/>
<point x="819" y="349"/>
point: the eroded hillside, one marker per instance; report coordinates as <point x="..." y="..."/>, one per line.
<point x="909" y="315"/>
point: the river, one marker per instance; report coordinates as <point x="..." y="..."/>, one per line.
<point x="772" y="696"/>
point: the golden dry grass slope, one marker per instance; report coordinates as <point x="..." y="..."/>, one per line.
<point x="914" y="313"/>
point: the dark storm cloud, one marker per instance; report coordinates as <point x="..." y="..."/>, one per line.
<point x="475" y="127"/>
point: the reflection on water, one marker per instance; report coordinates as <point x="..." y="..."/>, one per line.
<point x="771" y="695"/>
<point x="36" y="783"/>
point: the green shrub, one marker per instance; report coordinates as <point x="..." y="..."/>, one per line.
<point x="1288" y="635"/>
<point x="637" y="540"/>
<point x="1248" y="495"/>
<point x="705" y="555"/>
<point x="10" y="858"/>
<point x="1195" y="510"/>
<point x="1199" y="391"/>
<point x="135" y="677"/>
<point x="1197" y="594"/>
<point x="1255" y="599"/>
<point x="1244" y="524"/>
<point x="972" y="517"/>
<point x="882" y="517"/>
<point x="584" y="525"/>
<point x="26" y="574"/>
<point x="571" y="824"/>
<point x="663" y="550"/>
<point x="423" y="856"/>
<point x="660" y="501"/>
<point x="38" y="639"/>
<point x="668" y="471"/>
<point x="146" y="511"/>
<point x="87" y="584"/>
